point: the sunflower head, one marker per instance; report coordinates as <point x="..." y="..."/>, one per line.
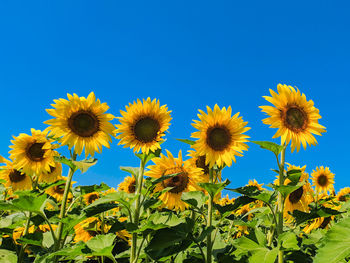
<point x="53" y="175"/>
<point x="294" y="116"/>
<point x="226" y="200"/>
<point x="57" y="191"/>
<point x="143" y="125"/>
<point x="87" y="229"/>
<point x="344" y="195"/>
<point x="91" y="197"/>
<point x="220" y="136"/>
<point x="82" y="123"/>
<point x="14" y="179"/>
<point x="255" y="183"/>
<point x="323" y="179"/>
<point x="128" y="185"/>
<point x="186" y="176"/>
<point x="33" y="154"/>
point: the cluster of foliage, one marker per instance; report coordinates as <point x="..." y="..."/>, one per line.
<point x="169" y="209"/>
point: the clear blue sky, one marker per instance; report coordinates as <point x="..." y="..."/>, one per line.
<point x="189" y="54"/>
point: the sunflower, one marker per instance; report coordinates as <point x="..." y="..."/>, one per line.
<point x="323" y="179"/>
<point x="33" y="154"/>
<point x="14" y="178"/>
<point x="226" y="200"/>
<point x="220" y="136"/>
<point x="343" y="195"/>
<point x="294" y="116"/>
<point x="81" y="122"/>
<point x="185" y="180"/>
<point x="87" y="229"/>
<point x="320" y="222"/>
<point x="255" y="183"/>
<point x="58" y="190"/>
<point x="91" y="197"/>
<point x="128" y="185"/>
<point x="243" y="213"/>
<point x="301" y="197"/>
<point x="53" y="175"/>
<point x="18" y="232"/>
<point x="143" y="125"/>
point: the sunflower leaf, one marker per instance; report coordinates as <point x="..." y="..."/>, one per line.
<point x="194" y="198"/>
<point x="85" y="164"/>
<point x="301" y="217"/>
<point x="285" y="190"/>
<point x="64" y="160"/>
<point x="8" y="256"/>
<point x="294" y="175"/>
<point x="187" y="141"/>
<point x="227" y="209"/>
<point x="145" y="158"/>
<point x="253" y="192"/>
<point x="213" y="188"/>
<point x="135" y="171"/>
<point x="271" y="146"/>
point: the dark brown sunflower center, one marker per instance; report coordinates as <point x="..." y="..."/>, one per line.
<point x="322" y="180"/>
<point x="178" y="182"/>
<point x="92" y="198"/>
<point x="218" y="138"/>
<point x="84" y="123"/>
<point x="146" y="129"/>
<point x="16" y="176"/>
<point x="200" y="163"/>
<point x="295" y="118"/>
<point x="92" y="233"/>
<point x="342" y="198"/>
<point x="59" y="189"/>
<point x="132" y="187"/>
<point x="295" y="196"/>
<point x="325" y="222"/>
<point x="35" y="152"/>
<point x="52" y="169"/>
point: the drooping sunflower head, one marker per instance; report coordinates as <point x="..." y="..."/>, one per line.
<point x="53" y="175"/>
<point x="186" y="176"/>
<point x="91" y="197"/>
<point x="82" y="123"/>
<point x="143" y="125"/>
<point x="323" y="179"/>
<point x="128" y="185"/>
<point x="14" y="179"/>
<point x="294" y="116"/>
<point x="220" y="136"/>
<point x="344" y="194"/>
<point x="33" y="154"/>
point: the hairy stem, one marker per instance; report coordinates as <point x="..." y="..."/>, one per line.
<point x="209" y="220"/>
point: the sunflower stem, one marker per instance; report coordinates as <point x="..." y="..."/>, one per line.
<point x="210" y="218"/>
<point x="26" y="229"/>
<point x="281" y="202"/>
<point x="63" y="206"/>
<point x="139" y="182"/>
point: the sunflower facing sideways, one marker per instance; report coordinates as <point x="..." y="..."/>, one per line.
<point x="128" y="185"/>
<point x="344" y="195"/>
<point x="51" y="176"/>
<point x="58" y="190"/>
<point x="143" y="125"/>
<point x="294" y="116"/>
<point x="220" y="136"/>
<point x="186" y="179"/>
<point x="82" y="123"/>
<point x="33" y="154"/>
<point x="91" y="197"/>
<point x="323" y="179"/>
<point x="14" y="178"/>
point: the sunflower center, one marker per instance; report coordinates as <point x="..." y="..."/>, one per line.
<point x="178" y="182"/>
<point x="84" y="123"/>
<point x="200" y="163"/>
<point x="218" y="138"/>
<point x="295" y="196"/>
<point x="325" y="222"/>
<point x="35" y="152"/>
<point x="146" y="129"/>
<point x="92" y="198"/>
<point x="59" y="189"/>
<point x="92" y="233"/>
<point x="16" y="176"/>
<point x="322" y="180"/>
<point x="132" y="187"/>
<point x="342" y="198"/>
<point x="52" y="169"/>
<point x="295" y="118"/>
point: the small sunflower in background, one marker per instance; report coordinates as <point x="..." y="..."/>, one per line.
<point x="294" y="116"/>
<point x="323" y="179"/>
<point x="33" y="154"/>
<point x="53" y="175"/>
<point x="91" y="197"/>
<point x="143" y="125"/>
<point x="343" y="195"/>
<point x="220" y="136"/>
<point x="256" y="184"/>
<point x="14" y="178"/>
<point x="226" y="200"/>
<point x="57" y="191"/>
<point x="185" y="180"/>
<point x="128" y="185"/>
<point x="82" y="123"/>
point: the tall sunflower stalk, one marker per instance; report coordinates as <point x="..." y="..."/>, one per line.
<point x="209" y="220"/>
<point x="280" y="205"/>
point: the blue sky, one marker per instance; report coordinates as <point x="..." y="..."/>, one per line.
<point x="188" y="54"/>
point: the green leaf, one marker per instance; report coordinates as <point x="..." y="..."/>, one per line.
<point x="65" y="161"/>
<point x="187" y="141"/>
<point x="85" y="164"/>
<point x="287" y="189"/>
<point x="97" y="209"/>
<point x="93" y="188"/>
<point x="264" y="255"/>
<point x="194" y="198"/>
<point x="288" y="241"/>
<point x="8" y="256"/>
<point x="294" y="175"/>
<point x="145" y="158"/>
<point x="102" y="245"/>
<point x="120" y="196"/>
<point x="336" y="245"/>
<point x="213" y="188"/>
<point x="247" y="244"/>
<point x="240" y="201"/>
<point x="135" y="171"/>
<point x="271" y="146"/>
<point x="253" y="192"/>
<point x="32" y="239"/>
<point x="301" y="217"/>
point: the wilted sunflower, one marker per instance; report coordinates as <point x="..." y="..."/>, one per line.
<point x="33" y="154"/>
<point x="81" y="122"/>
<point x="323" y="179"/>
<point x="186" y="179"/>
<point x="128" y="185"/>
<point x="344" y="194"/>
<point x="58" y="190"/>
<point x="53" y="175"/>
<point x="220" y="136"/>
<point x="91" y="197"/>
<point x="294" y="116"/>
<point x="14" y="178"/>
<point x="143" y="125"/>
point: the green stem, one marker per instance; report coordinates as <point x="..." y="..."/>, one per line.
<point x="209" y="220"/>
<point x="139" y="182"/>
<point x="281" y="202"/>
<point x="64" y="205"/>
<point x="26" y="229"/>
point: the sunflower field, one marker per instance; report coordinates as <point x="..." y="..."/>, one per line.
<point x="172" y="207"/>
